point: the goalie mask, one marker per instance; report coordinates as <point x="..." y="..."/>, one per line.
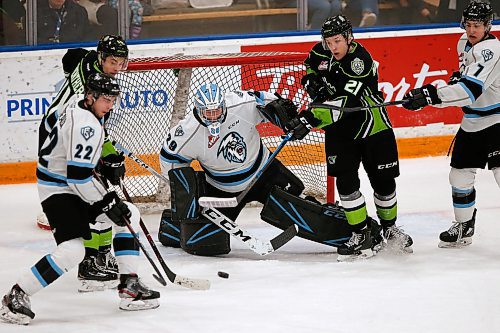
<point x="479" y="12"/>
<point x="336" y="25"/>
<point x="210" y="107"/>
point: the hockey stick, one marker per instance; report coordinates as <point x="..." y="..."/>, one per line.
<point x="357" y="108"/>
<point x="231" y="227"/>
<point x="198" y="284"/>
<point x="256" y="245"/>
<point x="159" y="277"/>
<point x="215" y="202"/>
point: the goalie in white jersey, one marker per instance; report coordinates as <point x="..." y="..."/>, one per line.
<point x="72" y="198"/>
<point x="475" y="88"/>
<point x="220" y="133"/>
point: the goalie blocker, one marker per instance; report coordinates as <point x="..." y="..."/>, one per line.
<point x="325" y="224"/>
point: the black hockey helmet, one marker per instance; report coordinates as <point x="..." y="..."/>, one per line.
<point x="111" y="45"/>
<point x="336" y="25"/>
<point x="478" y="11"/>
<point x="101" y="84"/>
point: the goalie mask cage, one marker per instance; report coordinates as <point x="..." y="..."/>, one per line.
<point x="158" y="92"/>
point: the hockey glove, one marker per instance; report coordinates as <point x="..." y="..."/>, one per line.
<point x="279" y="112"/>
<point x="114" y="208"/>
<point x="300" y="127"/>
<point x="454" y="78"/>
<point x="112" y="167"/>
<point x="314" y="87"/>
<point x="420" y="97"/>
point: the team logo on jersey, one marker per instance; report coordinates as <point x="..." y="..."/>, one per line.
<point x="233" y="148"/>
<point x="323" y="65"/>
<point x="179" y="131"/>
<point x="331" y="159"/>
<point x="357" y="66"/>
<point x="212" y="140"/>
<point x="487" y="54"/>
<point x="87" y="132"/>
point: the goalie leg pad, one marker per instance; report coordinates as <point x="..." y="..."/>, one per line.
<point x="203" y="238"/>
<point x="325" y="224"/>
<point x="170" y="231"/>
<point x="198" y="235"/>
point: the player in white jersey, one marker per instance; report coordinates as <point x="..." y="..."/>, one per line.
<point x="72" y="197"/>
<point x="475" y="88"/>
<point x="98" y="270"/>
<point x="220" y="133"/>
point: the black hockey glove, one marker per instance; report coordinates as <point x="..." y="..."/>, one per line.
<point x="300" y="127"/>
<point x="314" y="87"/>
<point x="114" y="208"/>
<point x="112" y="167"/>
<point x="454" y="78"/>
<point x="420" y="97"/>
<point x="279" y="112"/>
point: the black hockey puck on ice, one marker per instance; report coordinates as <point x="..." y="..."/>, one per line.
<point x="223" y="275"/>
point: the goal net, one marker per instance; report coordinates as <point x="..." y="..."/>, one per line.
<point x="158" y="92"/>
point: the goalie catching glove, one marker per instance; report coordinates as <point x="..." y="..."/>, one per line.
<point x="420" y="97"/>
<point x="114" y="208"/>
<point x="279" y="112"/>
<point x="112" y="167"/>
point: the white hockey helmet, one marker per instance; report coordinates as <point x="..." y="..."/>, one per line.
<point x="210" y="107"/>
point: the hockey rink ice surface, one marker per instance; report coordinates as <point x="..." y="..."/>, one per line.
<point x="299" y="288"/>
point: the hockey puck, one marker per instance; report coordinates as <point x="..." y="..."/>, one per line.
<point x="223" y="275"/>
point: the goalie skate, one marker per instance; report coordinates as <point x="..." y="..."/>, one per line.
<point x="135" y="295"/>
<point x="16" y="307"/>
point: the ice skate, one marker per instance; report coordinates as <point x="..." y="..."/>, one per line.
<point x="397" y="239"/>
<point x="135" y="295"/>
<point x="359" y="246"/>
<point x="16" y="307"/>
<point x="459" y="235"/>
<point x="94" y="277"/>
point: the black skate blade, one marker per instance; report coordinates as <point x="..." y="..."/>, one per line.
<point x="161" y="280"/>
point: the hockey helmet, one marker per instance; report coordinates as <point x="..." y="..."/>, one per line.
<point x="115" y="46"/>
<point x="478" y="11"/>
<point x="101" y="84"/>
<point x="336" y="25"/>
<point x="210" y="107"/>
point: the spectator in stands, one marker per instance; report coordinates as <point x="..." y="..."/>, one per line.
<point x="319" y="10"/>
<point x="12" y="14"/>
<point x="363" y="11"/>
<point x="416" y="12"/>
<point x="61" y="21"/>
<point x="136" y="10"/>
<point x="103" y="18"/>
<point x="450" y="10"/>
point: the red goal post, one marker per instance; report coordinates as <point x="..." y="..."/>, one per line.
<point x="157" y="92"/>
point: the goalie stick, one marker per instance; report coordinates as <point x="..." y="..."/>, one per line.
<point x="198" y="284"/>
<point x="255" y="244"/>
<point x="357" y="108"/>
<point x="215" y="202"/>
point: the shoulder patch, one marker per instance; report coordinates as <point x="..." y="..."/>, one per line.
<point x="172" y="145"/>
<point x="357" y="66"/>
<point x="323" y="65"/>
<point x="87" y="132"/>
<point x="487" y="54"/>
<point x="179" y="131"/>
